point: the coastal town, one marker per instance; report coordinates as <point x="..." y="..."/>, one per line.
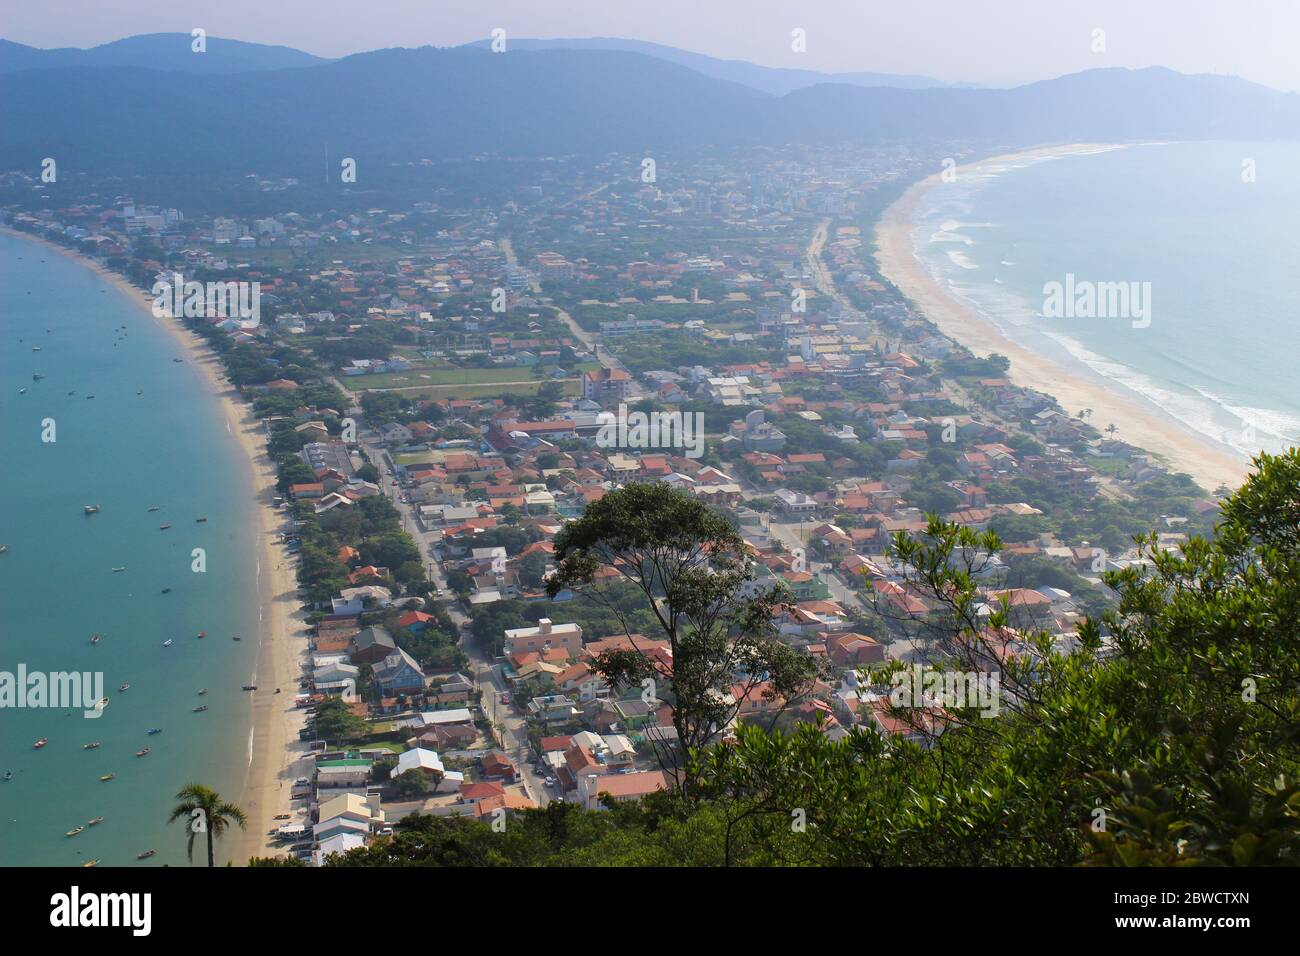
<point x="444" y="385"/>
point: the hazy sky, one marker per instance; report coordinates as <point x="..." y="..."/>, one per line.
<point x="982" y="41"/>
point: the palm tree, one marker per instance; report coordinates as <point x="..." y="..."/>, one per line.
<point x="216" y="815"/>
<point x="1111" y="430"/>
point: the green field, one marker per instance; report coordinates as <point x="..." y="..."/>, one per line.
<point x="571" y="387"/>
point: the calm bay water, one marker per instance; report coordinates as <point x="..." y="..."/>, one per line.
<point x="125" y="452"/>
<point x="1219" y="253"/>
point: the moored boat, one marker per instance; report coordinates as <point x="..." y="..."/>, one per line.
<point x="164" y="527"/>
<point x="153" y="730"/>
<point x="94" y="638"/>
<point x="107" y="777"/>
<point x="144" y="752"/>
<point x="88" y="863"/>
<point x="74" y="831"/>
<point x="40" y="743"/>
<point x="94" y="822"/>
<point x="90" y="509"/>
<point x="146" y="854"/>
<point x="90" y="746"/>
<point x="201" y="708"/>
<point x="169" y="642"/>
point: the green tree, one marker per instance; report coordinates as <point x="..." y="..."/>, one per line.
<point x="204" y="811"/>
<point x="693" y="571"/>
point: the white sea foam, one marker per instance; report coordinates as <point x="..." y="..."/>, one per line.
<point x="961" y="259"/>
<point x="1202" y="413"/>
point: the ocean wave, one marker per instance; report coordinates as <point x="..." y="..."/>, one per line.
<point x="1201" y="413"/>
<point x="961" y="259"/>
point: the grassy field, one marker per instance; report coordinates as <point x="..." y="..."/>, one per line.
<point x="448" y="375"/>
<point x="570" y="386"/>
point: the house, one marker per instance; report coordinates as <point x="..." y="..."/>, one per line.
<point x="543" y="637"/>
<point x="419" y="760"/>
<point x="497" y="766"/>
<point x="593" y="787"/>
<point x="398" y="673"/>
<point x="372" y="645"/>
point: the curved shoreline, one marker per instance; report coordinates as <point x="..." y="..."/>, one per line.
<point x="1147" y="428"/>
<point x="274" y="747"/>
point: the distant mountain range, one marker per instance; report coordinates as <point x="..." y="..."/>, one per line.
<point x="159" y="51"/>
<point x="775" y="80"/>
<point x="402" y="104"/>
<point x="171" y="51"/>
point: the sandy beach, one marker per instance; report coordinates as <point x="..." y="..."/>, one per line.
<point x="275" y="755"/>
<point x="1209" y="464"/>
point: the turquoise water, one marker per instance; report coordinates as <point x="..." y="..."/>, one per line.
<point x="125" y="452"/>
<point x="1220" y="254"/>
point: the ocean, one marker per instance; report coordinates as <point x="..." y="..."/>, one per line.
<point x="151" y="436"/>
<point x="1203" y="239"/>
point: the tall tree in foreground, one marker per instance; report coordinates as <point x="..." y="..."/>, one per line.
<point x="695" y="572"/>
<point x="204" y="811"/>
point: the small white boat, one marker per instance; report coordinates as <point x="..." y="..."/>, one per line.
<point x="90" y="509"/>
<point x="169" y="642"/>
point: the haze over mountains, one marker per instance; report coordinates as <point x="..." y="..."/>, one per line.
<point x="406" y="104"/>
<point x="159" y="51"/>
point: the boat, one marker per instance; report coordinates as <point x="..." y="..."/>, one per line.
<point x="177" y="360"/>
<point x="163" y="527"/>
<point x="37" y="376"/>
<point x="201" y="708"/>
<point x="125" y="687"/>
<point x="144" y="752"/>
<point x="119" y="570"/>
<point x="250" y="687"/>
<point x="236" y="638"/>
<point x="3" y="548"/>
<point x="146" y="854"/>
<point x="94" y="862"/>
<point x="166" y="590"/>
<point x="102" y="703"/>
<point x="22" y="391"/>
<point x="202" y="691"/>
<point x="91" y="746"/>
<point x="90" y="509"/>
<point x="94" y="822"/>
<point x="36" y="348"/>
<point x="94" y="638"/>
<point x="40" y="743"/>
<point x="154" y="508"/>
<point x="200" y="520"/>
<point x="74" y="831"/>
<point x="153" y="730"/>
<point x="201" y="635"/>
<point x="8" y="775"/>
<point x="169" y="642"/>
<point x="107" y="777"/>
